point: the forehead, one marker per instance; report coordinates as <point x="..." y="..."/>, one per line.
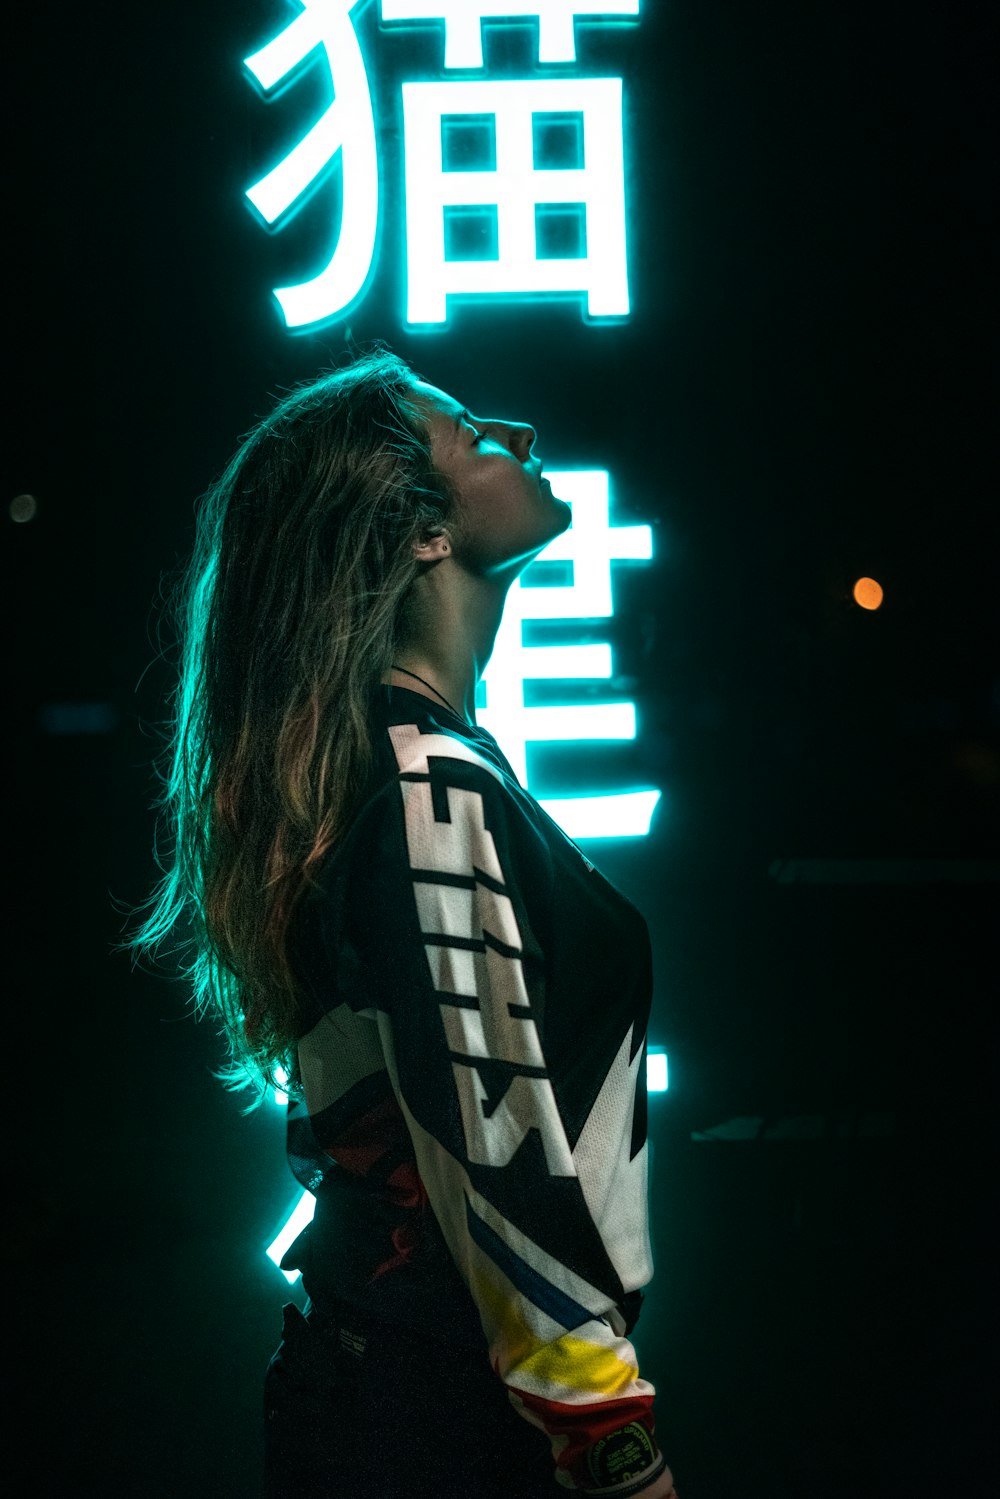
<point x="436" y="405"/>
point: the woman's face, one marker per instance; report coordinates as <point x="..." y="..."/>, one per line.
<point x="506" y="511"/>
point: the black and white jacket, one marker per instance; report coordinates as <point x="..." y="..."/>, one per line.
<point x="474" y="1068"/>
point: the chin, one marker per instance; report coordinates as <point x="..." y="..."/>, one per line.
<point x="565" y="514"/>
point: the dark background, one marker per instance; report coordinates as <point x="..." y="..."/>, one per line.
<point x="800" y="397"/>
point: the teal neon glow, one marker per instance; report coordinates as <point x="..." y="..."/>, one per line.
<point x="657" y="1078"/>
<point x="560" y="229"/>
<point x="625" y="815"/>
<point x="347" y="127"/>
<point x="302" y="1213"/>
<point x="281" y="1077"/>
<point x="298" y="1219"/>
<point x="589" y="546"/>
<point x="463" y="46"/>
<point x="515" y="188"/>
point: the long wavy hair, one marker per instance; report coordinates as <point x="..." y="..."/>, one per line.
<point x="290" y="610"/>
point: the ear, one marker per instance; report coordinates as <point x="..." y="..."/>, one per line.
<point x="432" y="548"/>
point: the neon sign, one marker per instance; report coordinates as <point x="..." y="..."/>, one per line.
<point x="463" y="24"/>
<point x="516" y="195"/>
<point x="588" y="547"/>
<point x="347" y="127"/>
<point x="542" y="224"/>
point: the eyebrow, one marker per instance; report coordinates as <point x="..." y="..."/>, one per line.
<point x="460" y="418"/>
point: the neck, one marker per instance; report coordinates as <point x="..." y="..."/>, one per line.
<point x="449" y="641"/>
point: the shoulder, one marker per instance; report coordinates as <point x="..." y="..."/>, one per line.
<point x="422" y="750"/>
<point x="462" y="808"/>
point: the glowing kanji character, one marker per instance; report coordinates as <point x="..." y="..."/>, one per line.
<point x="348" y="127"/>
<point x="516" y="194"/>
<point x="590" y="545"/>
<point x="463" y="46"/>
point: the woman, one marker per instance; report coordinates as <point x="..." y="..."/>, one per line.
<point x="383" y="916"/>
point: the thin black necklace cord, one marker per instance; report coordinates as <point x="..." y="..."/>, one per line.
<point x="441" y="695"/>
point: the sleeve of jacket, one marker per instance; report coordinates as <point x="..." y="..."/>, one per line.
<point x="461" y="876"/>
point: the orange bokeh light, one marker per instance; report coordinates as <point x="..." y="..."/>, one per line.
<point x="868" y="593"/>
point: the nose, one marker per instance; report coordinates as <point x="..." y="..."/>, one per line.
<point x="519" y="437"/>
<point x="525" y="436"/>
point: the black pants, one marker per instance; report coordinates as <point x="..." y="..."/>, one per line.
<point x="357" y="1407"/>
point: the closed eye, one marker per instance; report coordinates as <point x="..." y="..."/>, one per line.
<point x="478" y="435"/>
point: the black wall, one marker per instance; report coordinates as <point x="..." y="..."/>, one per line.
<point x="801" y="396"/>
